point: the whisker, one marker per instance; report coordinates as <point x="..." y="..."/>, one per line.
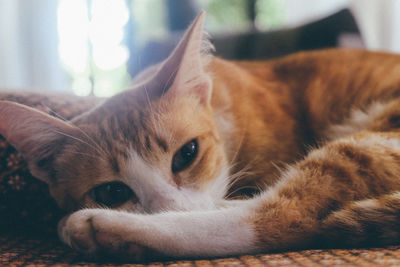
<point x="241" y="188"/>
<point x="237" y="177"/>
<point x="94" y="142"/>
<point x="67" y="121"/>
<point x="79" y="140"/>
<point x="241" y="174"/>
<point x="168" y="80"/>
<point x="277" y="167"/>
<point x="88" y="155"/>
<point x="53" y="113"/>
<point x="152" y="114"/>
<point x="245" y="171"/>
<point x="235" y="155"/>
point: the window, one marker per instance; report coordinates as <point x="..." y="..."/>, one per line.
<point x="91" y="45"/>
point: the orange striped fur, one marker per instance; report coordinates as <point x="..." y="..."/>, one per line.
<point x="297" y="152"/>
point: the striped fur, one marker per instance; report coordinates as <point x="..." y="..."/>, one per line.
<point x="297" y="152"/>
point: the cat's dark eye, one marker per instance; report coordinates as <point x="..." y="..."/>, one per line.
<point x="185" y="156"/>
<point x="111" y="194"/>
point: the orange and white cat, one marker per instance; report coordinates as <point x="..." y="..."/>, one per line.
<point x="207" y="157"/>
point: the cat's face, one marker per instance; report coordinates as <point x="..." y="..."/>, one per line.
<point x="153" y="148"/>
<point x="146" y="157"/>
<point x="167" y="155"/>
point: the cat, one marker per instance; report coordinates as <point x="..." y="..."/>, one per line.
<point x="205" y="157"/>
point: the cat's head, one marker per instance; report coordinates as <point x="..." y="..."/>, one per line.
<point x="155" y="147"/>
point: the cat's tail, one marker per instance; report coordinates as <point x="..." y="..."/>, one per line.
<point x="370" y="222"/>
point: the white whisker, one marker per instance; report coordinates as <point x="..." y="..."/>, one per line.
<point x="241" y="188"/>
<point x="168" y="80"/>
<point x="94" y="142"/>
<point x="52" y="111"/>
<point x="152" y="118"/>
<point x="79" y="140"/>
<point x="87" y="155"/>
<point x="67" y="121"/>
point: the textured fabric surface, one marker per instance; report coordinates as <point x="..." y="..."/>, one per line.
<point x="22" y="251"/>
<point x="28" y="215"/>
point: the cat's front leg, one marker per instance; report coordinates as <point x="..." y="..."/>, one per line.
<point x="174" y="234"/>
<point x="97" y="234"/>
<point x="301" y="210"/>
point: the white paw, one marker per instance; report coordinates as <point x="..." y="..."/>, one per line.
<point x="76" y="230"/>
<point x="98" y="233"/>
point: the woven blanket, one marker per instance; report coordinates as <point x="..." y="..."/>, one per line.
<point x="23" y="251"/>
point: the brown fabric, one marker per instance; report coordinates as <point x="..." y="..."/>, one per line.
<point x="28" y="215"/>
<point x="19" y="251"/>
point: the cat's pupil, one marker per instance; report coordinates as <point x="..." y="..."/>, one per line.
<point x="185" y="156"/>
<point x="111" y="194"/>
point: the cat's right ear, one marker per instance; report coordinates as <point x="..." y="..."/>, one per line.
<point x="183" y="72"/>
<point x="36" y="135"/>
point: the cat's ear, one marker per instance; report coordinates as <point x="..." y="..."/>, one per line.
<point x="36" y="135"/>
<point x="183" y="71"/>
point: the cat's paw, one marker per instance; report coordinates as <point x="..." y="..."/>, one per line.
<point x="76" y="230"/>
<point x="99" y="233"/>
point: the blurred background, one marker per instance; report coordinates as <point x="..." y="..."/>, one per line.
<point x="94" y="47"/>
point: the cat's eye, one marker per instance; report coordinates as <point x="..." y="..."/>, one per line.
<point x="185" y="156"/>
<point x="112" y="194"/>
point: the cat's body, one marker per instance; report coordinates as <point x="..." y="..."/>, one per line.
<point x="313" y="136"/>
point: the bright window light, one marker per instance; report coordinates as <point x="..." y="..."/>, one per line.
<point x="73" y="29"/>
<point x="106" y="33"/>
<point x="90" y="45"/>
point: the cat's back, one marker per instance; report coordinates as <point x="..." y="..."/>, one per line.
<point x="324" y="85"/>
<point x="331" y="84"/>
<point x="277" y="108"/>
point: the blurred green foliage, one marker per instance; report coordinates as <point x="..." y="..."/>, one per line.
<point x="232" y="15"/>
<point x="223" y="15"/>
<point x="270" y="14"/>
<point x="149" y="19"/>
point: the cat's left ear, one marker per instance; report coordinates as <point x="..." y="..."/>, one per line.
<point x="183" y="72"/>
<point x="36" y="135"/>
